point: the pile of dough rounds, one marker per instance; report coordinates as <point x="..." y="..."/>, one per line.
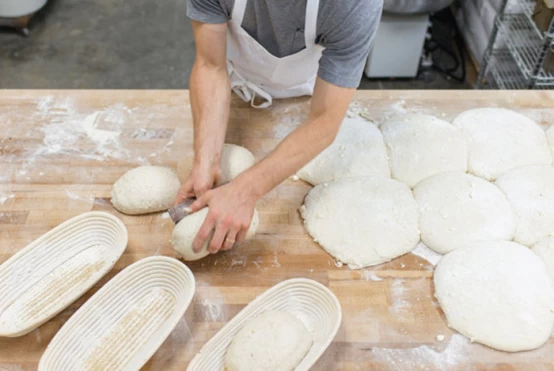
<point x="457" y="209"/>
<point x="545" y="250"/>
<point x="273" y="341"/>
<point x="145" y="189"/>
<point x="501" y="140"/>
<point x="421" y="145"/>
<point x="498" y="294"/>
<point x="362" y="221"/>
<point x="530" y="190"/>
<point x="358" y="150"/>
<point x="186" y="230"/>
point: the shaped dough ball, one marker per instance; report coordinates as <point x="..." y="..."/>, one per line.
<point x="530" y="190"/>
<point x="186" y="230"/>
<point x="362" y="221"/>
<point x="358" y="150"/>
<point x="545" y="250"/>
<point x="234" y="160"/>
<point x="456" y="209"/>
<point x="501" y="140"/>
<point x="421" y="145"/>
<point x="145" y="189"/>
<point x="498" y="294"/>
<point x="273" y="341"/>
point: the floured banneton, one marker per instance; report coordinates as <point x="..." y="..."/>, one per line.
<point x="362" y="221"/>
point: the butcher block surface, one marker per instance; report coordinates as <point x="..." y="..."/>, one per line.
<point x="61" y="151"/>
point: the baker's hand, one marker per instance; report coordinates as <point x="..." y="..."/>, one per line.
<point x="200" y="180"/>
<point x="231" y="208"/>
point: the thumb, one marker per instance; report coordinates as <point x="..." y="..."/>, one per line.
<point x="199" y="204"/>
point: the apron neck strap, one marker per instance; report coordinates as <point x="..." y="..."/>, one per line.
<point x="310" y="28"/>
<point x="238" y="12"/>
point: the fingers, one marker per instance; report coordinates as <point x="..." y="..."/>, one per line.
<point x="221" y="230"/>
<point x="203" y="233"/>
<point x="230" y="239"/>
<point x="200" y="203"/>
<point x="185" y="192"/>
<point x="241" y="234"/>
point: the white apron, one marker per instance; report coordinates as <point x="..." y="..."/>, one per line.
<point x="255" y="72"/>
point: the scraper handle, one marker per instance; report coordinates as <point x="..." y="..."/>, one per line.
<point x="180" y="211"/>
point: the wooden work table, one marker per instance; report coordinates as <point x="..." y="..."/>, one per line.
<point x="61" y="151"/>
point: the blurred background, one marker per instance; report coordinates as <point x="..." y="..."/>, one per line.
<point x="420" y="44"/>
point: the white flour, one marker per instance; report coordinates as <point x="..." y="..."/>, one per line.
<point x="426" y="253"/>
<point x="370" y="276"/>
<point x="425" y="357"/>
<point x="400" y="300"/>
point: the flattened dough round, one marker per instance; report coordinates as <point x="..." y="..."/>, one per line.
<point x="358" y="150"/>
<point x="234" y="160"/>
<point x="362" y="221"/>
<point x="421" y="145"/>
<point x="498" y="294"/>
<point x="186" y="230"/>
<point x="145" y="189"/>
<point x="545" y="250"/>
<point x="456" y="209"/>
<point x="530" y="190"/>
<point x="500" y="140"/>
<point x="273" y="341"/>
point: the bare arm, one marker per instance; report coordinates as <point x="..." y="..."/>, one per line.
<point x="210" y="97"/>
<point x="231" y="206"/>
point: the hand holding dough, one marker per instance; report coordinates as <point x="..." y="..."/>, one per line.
<point x="186" y="230"/>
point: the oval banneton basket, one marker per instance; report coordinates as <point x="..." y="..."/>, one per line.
<point x="126" y="321"/>
<point x="311" y="302"/>
<point x="53" y="271"/>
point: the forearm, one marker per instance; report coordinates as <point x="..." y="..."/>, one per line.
<point x="291" y="154"/>
<point x="210" y="97"/>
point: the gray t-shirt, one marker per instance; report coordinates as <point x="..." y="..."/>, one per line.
<point x="344" y="27"/>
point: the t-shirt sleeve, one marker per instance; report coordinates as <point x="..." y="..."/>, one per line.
<point x="207" y="11"/>
<point x="347" y="33"/>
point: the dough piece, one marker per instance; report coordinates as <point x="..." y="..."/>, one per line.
<point x="500" y="140"/>
<point x="234" y="160"/>
<point x="421" y="145"/>
<point x="530" y="190"/>
<point x="498" y="294"/>
<point x="186" y="230"/>
<point x="545" y="250"/>
<point x="358" y="150"/>
<point x="456" y="209"/>
<point x="273" y="341"/>
<point x="362" y="221"/>
<point x="145" y="189"/>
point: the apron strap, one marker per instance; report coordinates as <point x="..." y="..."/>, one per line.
<point x="246" y="90"/>
<point x="310" y="28"/>
<point x="238" y="12"/>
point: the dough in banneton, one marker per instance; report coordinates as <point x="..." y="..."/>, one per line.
<point x="358" y="150"/>
<point x="530" y="190"/>
<point x="145" y="189"/>
<point x="456" y="209"/>
<point x="272" y="341"/>
<point x="362" y="221"/>
<point x="500" y="140"/>
<point x="498" y="294"/>
<point x="421" y="145"/>
<point x="186" y="230"/>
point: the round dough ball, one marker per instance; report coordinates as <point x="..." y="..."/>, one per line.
<point x="530" y="190"/>
<point x="498" y="294"/>
<point x="421" y="145"/>
<point x="186" y="230"/>
<point x="234" y="160"/>
<point x="145" y="189"/>
<point x="456" y="209"/>
<point x="545" y="250"/>
<point x="273" y="341"/>
<point x="358" y="150"/>
<point x="500" y="140"/>
<point x="362" y="221"/>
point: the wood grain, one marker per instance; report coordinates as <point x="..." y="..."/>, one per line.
<point x="52" y="169"/>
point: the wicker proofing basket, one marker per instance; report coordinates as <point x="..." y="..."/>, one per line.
<point x="126" y="321"/>
<point x="311" y="302"/>
<point x="56" y="269"/>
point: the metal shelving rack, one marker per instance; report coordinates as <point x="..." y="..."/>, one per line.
<point x="516" y="52"/>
